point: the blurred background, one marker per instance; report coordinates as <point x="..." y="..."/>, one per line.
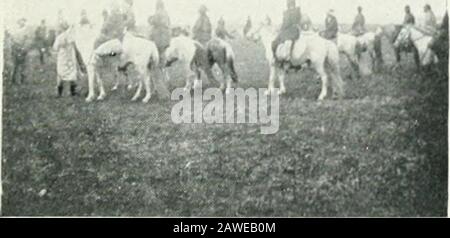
<point x="235" y="12"/>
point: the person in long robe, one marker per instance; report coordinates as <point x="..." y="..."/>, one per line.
<point x="66" y="62"/>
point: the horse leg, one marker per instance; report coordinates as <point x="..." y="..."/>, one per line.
<point x="190" y="75"/>
<point x="336" y="80"/>
<point x="148" y="90"/>
<point x="138" y="91"/>
<point x="160" y="83"/>
<point x="324" y="77"/>
<point x="373" y="59"/>
<point x="59" y="86"/>
<point x="227" y="78"/>
<point x="281" y="77"/>
<point x="14" y="73"/>
<point x="102" y="94"/>
<point x="117" y="76"/>
<point x="273" y="75"/>
<point x="91" y="72"/>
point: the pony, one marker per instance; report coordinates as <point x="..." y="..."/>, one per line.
<point x="311" y="49"/>
<point x="420" y="40"/>
<point x="353" y="47"/>
<point x="134" y="50"/>
<point x="195" y="58"/>
<point x="440" y="46"/>
<point x="391" y="32"/>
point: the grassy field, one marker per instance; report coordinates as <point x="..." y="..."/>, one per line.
<point x="380" y="152"/>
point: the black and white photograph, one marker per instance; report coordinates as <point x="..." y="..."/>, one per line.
<point x="224" y="108"/>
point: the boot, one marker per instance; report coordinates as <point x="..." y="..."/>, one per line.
<point x="73" y="90"/>
<point x="60" y="90"/>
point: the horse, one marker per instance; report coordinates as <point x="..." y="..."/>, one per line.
<point x="195" y="58"/>
<point x="421" y="42"/>
<point x="391" y="32"/>
<point x="369" y="42"/>
<point x="138" y="51"/>
<point x="440" y="46"/>
<point x="310" y="49"/>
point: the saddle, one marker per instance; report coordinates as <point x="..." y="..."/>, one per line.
<point x="110" y="48"/>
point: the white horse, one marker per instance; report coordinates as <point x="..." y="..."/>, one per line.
<point x="194" y="58"/>
<point x="311" y="49"/>
<point x="353" y="47"/>
<point x="421" y="42"/>
<point x="142" y="53"/>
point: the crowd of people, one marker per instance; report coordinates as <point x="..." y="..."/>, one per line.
<point x="120" y="16"/>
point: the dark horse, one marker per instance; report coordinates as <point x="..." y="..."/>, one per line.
<point x="440" y="45"/>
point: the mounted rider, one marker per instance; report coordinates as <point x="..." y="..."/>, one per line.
<point x="290" y="29"/>
<point x="160" y="28"/>
<point x="409" y="17"/>
<point x="120" y="17"/>
<point x="430" y="24"/>
<point x="202" y="30"/>
<point x="331" y="26"/>
<point x="221" y="30"/>
<point x="359" y="25"/>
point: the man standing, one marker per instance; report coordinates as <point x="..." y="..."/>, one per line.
<point x="160" y="28"/>
<point x="290" y="29"/>
<point x="331" y="26"/>
<point x="202" y="29"/>
<point x="62" y="24"/>
<point x="19" y="46"/>
<point x="359" y="25"/>
<point x="430" y="23"/>
<point x="409" y="17"/>
<point x="221" y="31"/>
<point x="119" y="17"/>
<point x="40" y="38"/>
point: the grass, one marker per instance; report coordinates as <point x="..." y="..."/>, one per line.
<point x="380" y="152"/>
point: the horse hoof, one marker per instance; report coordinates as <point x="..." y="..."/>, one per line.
<point x="114" y="89"/>
<point x="268" y="92"/>
<point x="282" y="92"/>
<point x="89" y="99"/>
<point x="130" y="87"/>
<point x="146" y="99"/>
<point x="101" y="98"/>
<point x="228" y="91"/>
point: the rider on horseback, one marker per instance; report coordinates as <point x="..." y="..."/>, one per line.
<point x="119" y="18"/>
<point x="290" y="29"/>
<point x="359" y="25"/>
<point x="331" y="26"/>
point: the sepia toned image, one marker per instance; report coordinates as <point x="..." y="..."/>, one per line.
<point x="224" y="108"/>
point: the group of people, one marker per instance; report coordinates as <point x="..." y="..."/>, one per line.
<point x="120" y="16"/>
<point x="117" y="17"/>
<point x="293" y="23"/>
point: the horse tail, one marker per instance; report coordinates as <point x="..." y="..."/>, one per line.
<point x="233" y="73"/>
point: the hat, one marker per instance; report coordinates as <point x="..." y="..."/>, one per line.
<point x="159" y="4"/>
<point x="290" y="3"/>
<point x="331" y="11"/>
<point x="203" y="9"/>
<point x="22" y="19"/>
